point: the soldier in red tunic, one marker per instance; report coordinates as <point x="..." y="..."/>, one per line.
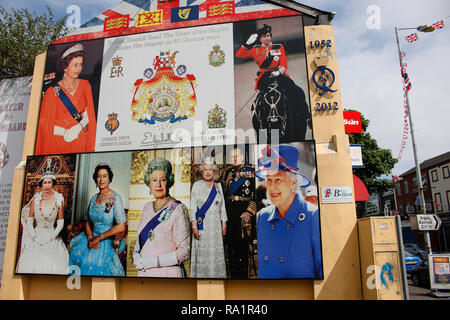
<point x="272" y="62"/>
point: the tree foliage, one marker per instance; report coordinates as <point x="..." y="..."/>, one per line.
<point x="377" y="161"/>
<point x="25" y="35"/>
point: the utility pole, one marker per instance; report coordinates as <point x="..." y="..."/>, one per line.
<point x="418" y="174"/>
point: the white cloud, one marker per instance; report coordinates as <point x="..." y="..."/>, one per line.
<point x="370" y="72"/>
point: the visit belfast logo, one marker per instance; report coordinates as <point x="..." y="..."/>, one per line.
<point x="340" y="194"/>
<point x="185" y="13"/>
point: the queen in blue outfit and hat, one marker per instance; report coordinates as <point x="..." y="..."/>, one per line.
<point x="288" y="231"/>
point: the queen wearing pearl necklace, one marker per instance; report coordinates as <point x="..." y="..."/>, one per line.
<point x="42" y="249"/>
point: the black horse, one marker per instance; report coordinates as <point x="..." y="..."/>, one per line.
<point x="280" y="105"/>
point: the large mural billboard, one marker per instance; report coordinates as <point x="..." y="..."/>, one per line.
<point x="245" y="211"/>
<point x="181" y="153"/>
<point x="182" y="87"/>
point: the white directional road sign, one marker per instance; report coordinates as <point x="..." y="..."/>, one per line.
<point x="428" y="222"/>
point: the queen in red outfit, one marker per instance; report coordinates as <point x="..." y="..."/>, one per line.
<point x="272" y="62"/>
<point x="67" y="121"/>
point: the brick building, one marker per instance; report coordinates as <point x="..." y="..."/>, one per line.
<point x="436" y="185"/>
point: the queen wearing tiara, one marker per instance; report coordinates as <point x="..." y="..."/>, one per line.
<point x="67" y="121"/>
<point x="42" y="249"/>
<point x="208" y="219"/>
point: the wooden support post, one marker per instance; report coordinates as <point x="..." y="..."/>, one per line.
<point x="210" y="290"/>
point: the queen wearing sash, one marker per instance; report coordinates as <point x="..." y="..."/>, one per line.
<point x="67" y="121"/>
<point x="92" y="250"/>
<point x="163" y="233"/>
<point x="209" y="224"/>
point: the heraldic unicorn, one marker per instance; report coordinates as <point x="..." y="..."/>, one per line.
<point x="165" y="96"/>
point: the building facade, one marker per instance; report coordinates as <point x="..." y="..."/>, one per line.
<point x="436" y="186"/>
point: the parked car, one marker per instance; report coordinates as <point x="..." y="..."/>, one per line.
<point x="411" y="261"/>
<point x="416" y="250"/>
<point x="420" y="275"/>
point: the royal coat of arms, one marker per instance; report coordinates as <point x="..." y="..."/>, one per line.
<point x="217" y="118"/>
<point x="165" y="96"/>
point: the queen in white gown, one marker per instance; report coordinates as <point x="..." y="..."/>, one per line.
<point x="207" y="253"/>
<point x="42" y="249"/>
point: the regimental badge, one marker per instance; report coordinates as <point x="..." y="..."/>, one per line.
<point x="112" y="123"/>
<point x="151" y="235"/>
<point x="217" y="118"/>
<point x="165" y="96"/>
<point x="216" y="57"/>
<point x="116" y="70"/>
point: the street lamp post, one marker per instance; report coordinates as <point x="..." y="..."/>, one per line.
<point x="418" y="175"/>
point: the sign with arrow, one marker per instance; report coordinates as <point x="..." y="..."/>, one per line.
<point x="428" y="222"/>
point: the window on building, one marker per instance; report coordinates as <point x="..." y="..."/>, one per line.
<point x="405" y="186"/>
<point x="438" y="204"/>
<point x="434" y="175"/>
<point x="415" y="182"/>
<point x="448" y="199"/>
<point x="445" y="172"/>
<point x="399" y="190"/>
<point x="424" y="179"/>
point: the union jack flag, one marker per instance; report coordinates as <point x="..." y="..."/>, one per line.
<point x="397" y="178"/>
<point x="406" y="80"/>
<point x="412" y="37"/>
<point x="438" y="25"/>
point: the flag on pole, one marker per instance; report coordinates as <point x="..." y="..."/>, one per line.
<point x="412" y="37"/>
<point x="397" y="178"/>
<point x="438" y="25"/>
<point x="406" y="81"/>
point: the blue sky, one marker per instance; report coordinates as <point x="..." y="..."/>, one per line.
<point x="368" y="65"/>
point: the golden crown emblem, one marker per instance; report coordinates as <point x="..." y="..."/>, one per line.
<point x="116" y="61"/>
<point x="112" y="116"/>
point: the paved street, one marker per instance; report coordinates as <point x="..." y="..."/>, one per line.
<point x="420" y="293"/>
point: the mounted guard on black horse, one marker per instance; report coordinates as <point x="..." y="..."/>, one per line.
<point x="280" y="103"/>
